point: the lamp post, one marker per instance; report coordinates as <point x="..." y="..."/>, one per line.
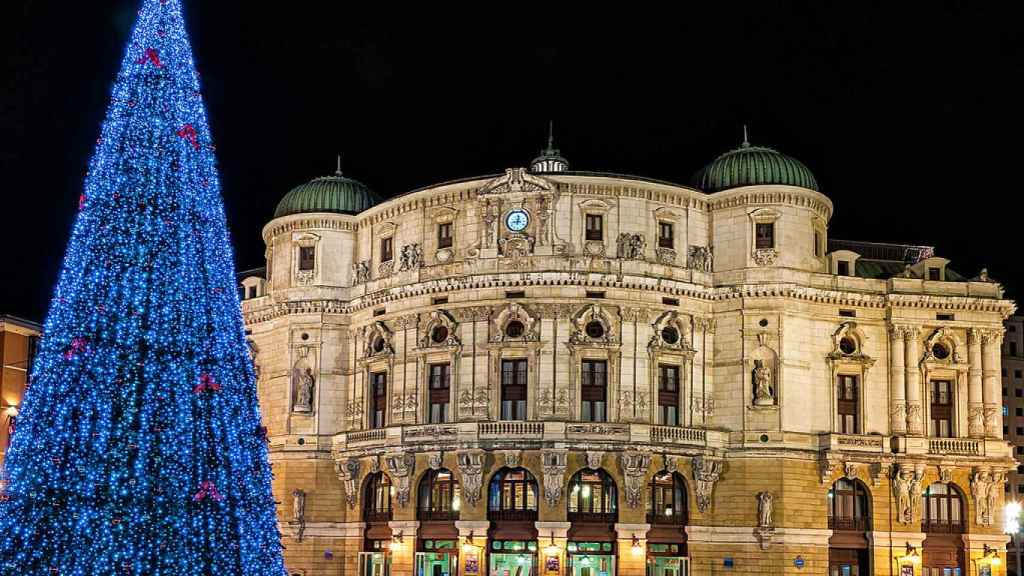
<point x="1011" y="526"/>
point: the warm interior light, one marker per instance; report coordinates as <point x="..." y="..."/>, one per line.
<point x="638" y="547"/>
<point x="456" y="503"/>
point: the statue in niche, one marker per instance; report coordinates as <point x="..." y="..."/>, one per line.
<point x="299" y="511"/>
<point x="764" y="509"/>
<point x="901" y="486"/>
<point x="304" y="383"/>
<point x="762" y="376"/>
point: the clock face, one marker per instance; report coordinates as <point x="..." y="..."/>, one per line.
<point x="517" y="220"/>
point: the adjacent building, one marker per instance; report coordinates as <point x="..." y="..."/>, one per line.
<point x="18" y="339"/>
<point x="1013" y="412"/>
<point x="552" y="372"/>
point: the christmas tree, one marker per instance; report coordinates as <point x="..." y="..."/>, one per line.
<point x="139" y="449"/>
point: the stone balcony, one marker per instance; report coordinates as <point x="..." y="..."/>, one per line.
<point x="500" y="434"/>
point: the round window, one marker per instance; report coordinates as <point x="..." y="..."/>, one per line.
<point x="514" y="329"/>
<point x="439" y="334"/>
<point x="669" y="335"/>
<point x="847" y="346"/>
<point x="940" y="351"/>
<point x="763" y="323"/>
<point x="595" y="329"/>
<point x="378" y="344"/>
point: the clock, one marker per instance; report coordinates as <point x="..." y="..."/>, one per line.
<point x="517" y="220"/>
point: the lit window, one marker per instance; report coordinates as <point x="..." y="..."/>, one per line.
<point x="444" y="235"/>
<point x="666" y="235"/>
<point x="307" y="257"/>
<point x="387" y="251"/>
<point x="594" y="391"/>
<point x="595" y="227"/>
<point x="765" y="235"/>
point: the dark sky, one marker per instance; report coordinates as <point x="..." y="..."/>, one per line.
<point x="907" y="112"/>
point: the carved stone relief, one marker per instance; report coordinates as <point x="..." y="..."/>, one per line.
<point x="630" y="246"/>
<point x="634" y="466"/>
<point x="410" y="258"/>
<point x="700" y="258"/>
<point x="471" y="467"/>
<point x="706" y="472"/>
<point x="554" y="465"/>
<point x="401" y="466"/>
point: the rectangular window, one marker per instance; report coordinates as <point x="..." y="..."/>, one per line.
<point x="387" y="251"/>
<point x="440" y="392"/>
<point x="307" y="257"/>
<point x="439" y="301"/>
<point x="1017" y="411"/>
<point x="378" y="398"/>
<point x="934" y="274"/>
<point x="817" y="244"/>
<point x="668" y="395"/>
<point x="765" y="235"/>
<point x="444" y="235"/>
<point x="945" y="317"/>
<point x="1020" y="430"/>
<point x="1016" y="373"/>
<point x="252" y="291"/>
<point x="666" y="235"/>
<point x="1013" y="348"/>
<point x="1019" y="392"/>
<point x="513" y="389"/>
<point x="848" y="313"/>
<point x="941" y="409"/>
<point x="847" y="395"/>
<point x="595" y="294"/>
<point x="843" y="268"/>
<point x="594" y="391"/>
<point x="670" y="301"/>
<point x="595" y="227"/>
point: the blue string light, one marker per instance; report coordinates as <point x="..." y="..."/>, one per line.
<point x="139" y="449"/>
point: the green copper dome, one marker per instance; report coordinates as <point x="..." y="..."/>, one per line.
<point x="752" y="166"/>
<point x="336" y="194"/>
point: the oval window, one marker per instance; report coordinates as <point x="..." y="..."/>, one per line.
<point x="669" y="335"/>
<point x="378" y="344"/>
<point x="514" y="329"/>
<point x="595" y="329"/>
<point x="439" y="334"/>
<point x="940" y="351"/>
<point x="847" y="346"/>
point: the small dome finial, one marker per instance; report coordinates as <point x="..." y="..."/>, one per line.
<point x="746" y="139"/>
<point x="338" y="171"/>
<point x="551" y="135"/>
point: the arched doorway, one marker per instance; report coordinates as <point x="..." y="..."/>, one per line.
<point x="375" y="559"/>
<point x="438" y="501"/>
<point x="943" y="522"/>
<point x="667" y="513"/>
<point x="512" y="511"/>
<point x="592" y="511"/>
<point x="849" y="518"/>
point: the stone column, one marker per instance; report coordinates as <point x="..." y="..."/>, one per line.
<point x="975" y="405"/>
<point x="632" y="561"/>
<point x="403" y="545"/>
<point x="912" y="337"/>
<point x="552" y="538"/>
<point x="992" y="391"/>
<point x="897" y="385"/>
<point x="473" y="547"/>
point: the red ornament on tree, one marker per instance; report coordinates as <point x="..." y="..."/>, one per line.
<point x="206" y="384"/>
<point x="188" y="132"/>
<point x="151" y="55"/>
<point x="78" y="346"/>
<point x="207" y="490"/>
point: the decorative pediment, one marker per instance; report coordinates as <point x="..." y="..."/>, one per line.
<point x="848" y="343"/>
<point x="944" y="347"/>
<point x="515" y="180"/>
<point x="439" y="329"/>
<point x="378" y="339"/>
<point x="515" y="323"/>
<point x="666" y="214"/>
<point x="384" y="230"/>
<point x="596" y="205"/>
<point x="670" y="334"/>
<point x="305" y="239"/>
<point x="595" y="324"/>
<point x="444" y="214"/>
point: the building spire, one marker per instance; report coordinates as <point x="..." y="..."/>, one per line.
<point x="746" y="139"/>
<point x="338" y="171"/>
<point x="551" y="137"/>
<point x="550" y="159"/>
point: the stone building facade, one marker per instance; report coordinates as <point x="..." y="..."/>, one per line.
<point x="18" y="339"/>
<point x="553" y="372"/>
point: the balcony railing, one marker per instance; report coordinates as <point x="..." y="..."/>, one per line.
<point x="593" y="517"/>
<point x="678" y="435"/>
<point x="942" y="528"/>
<point x="512" y="429"/>
<point x="512" y="515"/>
<point x="956" y="446"/>
<point x="376" y="435"/>
<point x="665" y="519"/>
<point x="846" y="523"/>
<point x="377" y="515"/>
<point x="437" y="515"/>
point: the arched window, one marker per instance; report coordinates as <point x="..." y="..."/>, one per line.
<point x="666" y="503"/>
<point x="513" y="495"/>
<point x="592" y="497"/>
<point x="942" y="509"/>
<point x="439" y="497"/>
<point x="377" y="498"/>
<point x="848" y="506"/>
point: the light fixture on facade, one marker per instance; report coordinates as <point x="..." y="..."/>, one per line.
<point x="10" y="409"/>
<point x="991" y="556"/>
<point x="1011" y="518"/>
<point x="552" y="548"/>
<point x="912" y="555"/>
<point x="638" y="547"/>
<point x="468" y="545"/>
<point x="397" y="539"/>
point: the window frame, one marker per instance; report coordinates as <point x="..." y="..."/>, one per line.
<point x="668" y="399"/>
<point x="593" y="390"/>
<point x="592" y="497"/>
<point x="378" y="400"/>
<point x="657" y="489"/>
<point x="764" y="241"/>
<point x="666" y="241"/>
<point x="307" y="258"/>
<point x="439" y="383"/>
<point x="592" y="233"/>
<point x="941" y="412"/>
<point x="445" y="235"/>
<point x="387" y="249"/>
<point x="847" y="408"/>
<point x="514" y="379"/>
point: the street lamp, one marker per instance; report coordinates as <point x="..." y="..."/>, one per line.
<point x="1011" y="526"/>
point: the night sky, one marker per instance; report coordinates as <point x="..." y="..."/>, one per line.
<point x="908" y="113"/>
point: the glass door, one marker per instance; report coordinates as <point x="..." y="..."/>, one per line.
<point x="436" y="564"/>
<point x="374" y="564"/>
<point x="591" y="565"/>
